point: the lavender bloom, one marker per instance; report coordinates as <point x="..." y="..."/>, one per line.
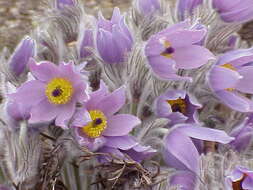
<point x="234" y="11"/>
<point x="240" y="178"/>
<point x="185" y="7"/>
<point x="97" y="125"/>
<point x="114" y="39"/>
<point x="86" y="41"/>
<point x="148" y="7"/>
<point x="54" y="93"/>
<point x="184" y="179"/>
<point x="20" y="58"/>
<point x="231" y="76"/>
<point x="243" y="134"/>
<point x="177" y="106"/>
<point x="179" y="149"/>
<point x="175" y="48"/>
<point x="60" y="4"/>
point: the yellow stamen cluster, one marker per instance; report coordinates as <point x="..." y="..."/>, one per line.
<point x="178" y="105"/>
<point x="98" y="124"/>
<point x="165" y="53"/>
<point x="59" y="91"/>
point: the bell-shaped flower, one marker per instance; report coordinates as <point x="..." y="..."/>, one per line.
<point x="53" y="94"/>
<point x="240" y="178"/>
<point x="18" y="61"/>
<point x="186" y="7"/>
<point x="97" y="125"/>
<point x="230" y="79"/>
<point x="113" y="38"/>
<point x="243" y="134"/>
<point x="177" y="106"/>
<point x="180" y="151"/>
<point x="85" y="41"/>
<point x="176" y="48"/>
<point x="234" y="11"/>
<point x="148" y="7"/>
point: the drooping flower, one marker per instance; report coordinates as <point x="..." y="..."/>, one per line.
<point x="97" y="125"/>
<point x="230" y="79"/>
<point x="20" y="58"/>
<point x="60" y="4"/>
<point x="241" y="178"/>
<point x="234" y="11"/>
<point x="186" y="7"/>
<point x="176" y="48"/>
<point x="114" y="39"/>
<point x="53" y="94"/>
<point x="148" y="7"/>
<point x="178" y="106"/>
<point x="243" y="134"/>
<point x="86" y="41"/>
<point x="180" y="151"/>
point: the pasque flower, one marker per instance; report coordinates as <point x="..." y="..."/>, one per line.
<point x="178" y="106"/>
<point x="97" y="125"/>
<point x="230" y="79"/>
<point x="240" y="178"/>
<point x="175" y="48"/>
<point x="186" y="7"/>
<point x="243" y="134"/>
<point x="234" y="11"/>
<point x="20" y="57"/>
<point x="185" y="180"/>
<point x="86" y="41"/>
<point x="53" y="94"/>
<point x="148" y="7"/>
<point x="180" y="151"/>
<point x="113" y="39"/>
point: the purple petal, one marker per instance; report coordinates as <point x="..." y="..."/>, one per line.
<point x="81" y="117"/>
<point x="65" y="113"/>
<point x="43" y="71"/>
<point x="120" y="125"/>
<point x="112" y="103"/>
<point x="247" y="183"/>
<point x="123" y="142"/>
<point x="184" y="179"/>
<point x="244" y="85"/>
<point x="204" y="133"/>
<point x="191" y="57"/>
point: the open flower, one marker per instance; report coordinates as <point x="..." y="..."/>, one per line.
<point x="180" y="151"/>
<point x="114" y="39"/>
<point x="177" y="106"/>
<point x="240" y="178"/>
<point x="176" y="48"/>
<point x="97" y="125"/>
<point x="54" y="93"/>
<point x="230" y="79"/>
<point x="234" y="11"/>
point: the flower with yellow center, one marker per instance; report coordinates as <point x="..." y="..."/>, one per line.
<point x="168" y="52"/>
<point x="59" y="91"/>
<point x="178" y="105"/>
<point x="98" y="124"/>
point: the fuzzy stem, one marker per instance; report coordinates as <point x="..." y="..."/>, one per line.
<point x="23" y="132"/>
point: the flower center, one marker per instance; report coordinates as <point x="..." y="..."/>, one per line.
<point x="59" y="91"/>
<point x="168" y="52"/>
<point x="231" y="67"/>
<point x="178" y="105"/>
<point x="237" y="185"/>
<point x="98" y="124"/>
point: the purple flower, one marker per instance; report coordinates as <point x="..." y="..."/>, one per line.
<point x="177" y="106"/>
<point x="184" y="179"/>
<point x="60" y="4"/>
<point x="234" y="11"/>
<point x="97" y="125"/>
<point x="180" y="151"/>
<point x="175" y="48"/>
<point x="240" y="178"/>
<point x="54" y="93"/>
<point x="113" y="38"/>
<point x="86" y="41"/>
<point x="231" y="76"/>
<point x="243" y="134"/>
<point x="186" y="7"/>
<point x="148" y="7"/>
<point x="20" y="58"/>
